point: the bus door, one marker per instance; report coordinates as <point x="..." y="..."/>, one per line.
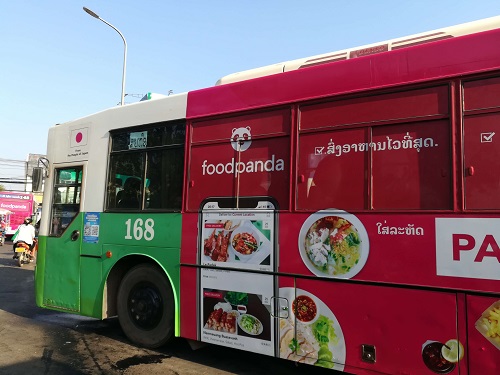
<point x="236" y="254"/>
<point x="61" y="287"/>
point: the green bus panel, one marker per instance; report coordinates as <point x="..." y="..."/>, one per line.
<point x="71" y="274"/>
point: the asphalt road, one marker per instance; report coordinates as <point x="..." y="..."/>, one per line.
<point x="38" y="341"/>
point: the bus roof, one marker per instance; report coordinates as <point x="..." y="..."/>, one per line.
<point x="442" y="59"/>
<point x="388" y="45"/>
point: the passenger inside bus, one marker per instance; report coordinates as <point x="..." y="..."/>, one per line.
<point x="114" y="188"/>
<point x="129" y="196"/>
<point x="154" y="197"/>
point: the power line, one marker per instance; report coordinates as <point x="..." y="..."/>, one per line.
<point x="13" y="182"/>
<point x="12" y="160"/>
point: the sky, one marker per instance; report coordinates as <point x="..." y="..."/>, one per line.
<point x="58" y="63"/>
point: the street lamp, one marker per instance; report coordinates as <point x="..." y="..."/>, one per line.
<point x="124" y="53"/>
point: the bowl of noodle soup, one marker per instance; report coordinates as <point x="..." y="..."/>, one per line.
<point x="333" y="243"/>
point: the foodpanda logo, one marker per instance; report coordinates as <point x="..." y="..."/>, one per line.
<point x="241" y="139"/>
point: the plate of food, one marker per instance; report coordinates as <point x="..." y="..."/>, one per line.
<point x="318" y="342"/>
<point x="489" y="324"/>
<point x="250" y="324"/>
<point x="222" y="318"/>
<point x="305" y="309"/>
<point x="245" y="242"/>
<point x="333" y="243"/>
<point x="215" y="242"/>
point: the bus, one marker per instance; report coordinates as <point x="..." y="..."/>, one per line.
<point x="340" y="211"/>
<point x="20" y="204"/>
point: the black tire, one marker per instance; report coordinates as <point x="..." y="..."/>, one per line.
<point x="146" y="306"/>
<point x="20" y="259"/>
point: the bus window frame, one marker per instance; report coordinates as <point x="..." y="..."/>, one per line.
<point x="78" y="189"/>
<point x="144" y="152"/>
<point x="405" y="93"/>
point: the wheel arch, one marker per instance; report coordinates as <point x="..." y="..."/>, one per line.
<point x="116" y="274"/>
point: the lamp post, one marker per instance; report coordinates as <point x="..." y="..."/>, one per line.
<point x="124" y="53"/>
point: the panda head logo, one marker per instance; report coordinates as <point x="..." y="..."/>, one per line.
<point x="241" y="139"/>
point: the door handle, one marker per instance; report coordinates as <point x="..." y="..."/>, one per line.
<point x="74" y="235"/>
<point x="282" y="305"/>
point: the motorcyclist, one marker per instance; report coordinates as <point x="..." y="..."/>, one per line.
<point x="26" y="234"/>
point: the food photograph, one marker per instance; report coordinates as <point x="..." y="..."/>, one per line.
<point x="311" y="334"/>
<point x="240" y="241"/>
<point x="333" y="243"/>
<point x="489" y="324"/>
<point x="238" y="313"/>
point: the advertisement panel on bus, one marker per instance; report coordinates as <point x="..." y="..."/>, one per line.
<point x="20" y="204"/>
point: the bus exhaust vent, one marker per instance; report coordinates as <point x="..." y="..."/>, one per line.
<point x="324" y="59"/>
<point x="420" y="40"/>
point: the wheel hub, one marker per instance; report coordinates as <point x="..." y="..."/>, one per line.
<point x="145" y="306"/>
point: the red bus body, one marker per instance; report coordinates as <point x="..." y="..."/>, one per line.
<point x="406" y="143"/>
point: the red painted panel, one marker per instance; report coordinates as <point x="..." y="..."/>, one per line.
<point x="482" y="161"/>
<point x="330" y="180"/>
<point x="391" y="258"/>
<point x="189" y="247"/>
<point x="442" y="59"/>
<point x="264" y="171"/>
<point x="222" y="166"/>
<point x="483" y="93"/>
<point x="410" y="167"/>
<point x="397" y="322"/>
<point x="188" y="278"/>
<point x="188" y="300"/>
<point x="275" y="122"/>
<point x="400" y="249"/>
<point x="408" y="104"/>
<point x="414" y="171"/>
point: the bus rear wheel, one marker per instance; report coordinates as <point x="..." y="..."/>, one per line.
<point x="146" y="306"/>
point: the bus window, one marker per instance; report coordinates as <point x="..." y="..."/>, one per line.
<point x="163" y="185"/>
<point x="130" y="168"/>
<point x="146" y="169"/>
<point x="66" y="198"/>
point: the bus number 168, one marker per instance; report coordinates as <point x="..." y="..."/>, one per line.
<point x="141" y="229"/>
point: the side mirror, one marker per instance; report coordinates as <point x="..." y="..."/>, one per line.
<point x="37" y="179"/>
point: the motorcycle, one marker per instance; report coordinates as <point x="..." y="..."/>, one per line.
<point x="23" y="253"/>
